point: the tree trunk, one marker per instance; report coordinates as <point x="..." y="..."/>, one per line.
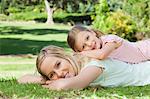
<point x="49" y="13"/>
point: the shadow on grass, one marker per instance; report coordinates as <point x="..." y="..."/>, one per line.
<point x="19" y="46"/>
<point x="18" y="30"/>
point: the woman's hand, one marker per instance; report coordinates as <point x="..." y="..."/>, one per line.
<point x="55" y="84"/>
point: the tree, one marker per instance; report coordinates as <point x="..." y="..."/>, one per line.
<point x="49" y="13"/>
<point x="74" y="5"/>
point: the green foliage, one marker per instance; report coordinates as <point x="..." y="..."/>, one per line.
<point x="3" y="17"/>
<point x="77" y="6"/>
<point x="12" y="6"/>
<point x="88" y="7"/>
<point x="60" y="13"/>
<point x="140" y="12"/>
<point x="102" y="12"/>
<point x="66" y="11"/>
<point x="13" y="10"/>
<point x="123" y="18"/>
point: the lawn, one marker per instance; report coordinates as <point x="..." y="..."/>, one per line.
<point x="19" y="44"/>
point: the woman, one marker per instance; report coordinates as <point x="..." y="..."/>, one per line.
<point x="62" y="71"/>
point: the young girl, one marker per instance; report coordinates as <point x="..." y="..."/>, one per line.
<point x="96" y="45"/>
<point x="63" y="71"/>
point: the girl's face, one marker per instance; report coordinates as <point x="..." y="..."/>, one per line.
<point x="55" y="68"/>
<point x="87" y="40"/>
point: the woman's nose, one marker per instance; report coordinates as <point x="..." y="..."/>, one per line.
<point x="55" y="77"/>
<point x="59" y="74"/>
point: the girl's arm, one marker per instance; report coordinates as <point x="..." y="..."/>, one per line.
<point x="82" y="80"/>
<point x="103" y="52"/>
<point x="29" y="78"/>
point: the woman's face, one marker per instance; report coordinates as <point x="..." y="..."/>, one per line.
<point x="55" y="68"/>
<point x="86" y="40"/>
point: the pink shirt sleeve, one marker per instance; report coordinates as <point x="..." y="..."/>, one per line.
<point x="111" y="38"/>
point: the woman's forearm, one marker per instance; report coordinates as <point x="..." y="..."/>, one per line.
<point x="83" y="79"/>
<point x="29" y="78"/>
<point x="74" y="83"/>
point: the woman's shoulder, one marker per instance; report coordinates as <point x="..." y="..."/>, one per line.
<point x="98" y="63"/>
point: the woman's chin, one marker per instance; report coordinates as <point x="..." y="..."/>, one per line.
<point x="69" y="75"/>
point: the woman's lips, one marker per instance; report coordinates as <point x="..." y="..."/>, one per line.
<point x="69" y="75"/>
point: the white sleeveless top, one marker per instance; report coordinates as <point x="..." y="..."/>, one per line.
<point x="118" y="73"/>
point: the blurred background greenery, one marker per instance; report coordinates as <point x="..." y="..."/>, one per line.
<point x="129" y="19"/>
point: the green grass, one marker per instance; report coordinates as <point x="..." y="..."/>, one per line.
<point x="16" y="58"/>
<point x="28" y="38"/>
<point x="34" y="91"/>
<point x="15" y="66"/>
<point x="24" y="38"/>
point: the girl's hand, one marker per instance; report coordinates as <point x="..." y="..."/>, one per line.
<point x="103" y="52"/>
<point x="55" y="84"/>
<point x="118" y="44"/>
<point x="89" y="53"/>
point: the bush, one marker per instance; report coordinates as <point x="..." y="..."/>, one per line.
<point x="3" y="17"/>
<point x="140" y="12"/>
<point x="123" y="18"/>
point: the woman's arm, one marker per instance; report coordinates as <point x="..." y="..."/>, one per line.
<point x="29" y="78"/>
<point x="82" y="80"/>
<point x="103" y="52"/>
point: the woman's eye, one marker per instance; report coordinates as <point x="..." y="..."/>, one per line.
<point x="51" y="75"/>
<point x="58" y="64"/>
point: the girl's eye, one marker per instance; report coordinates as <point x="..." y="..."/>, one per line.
<point x="87" y="38"/>
<point x="83" y="47"/>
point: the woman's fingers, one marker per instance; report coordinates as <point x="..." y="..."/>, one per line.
<point x="42" y="82"/>
<point x="49" y="81"/>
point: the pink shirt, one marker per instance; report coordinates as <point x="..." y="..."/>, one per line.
<point x="130" y="52"/>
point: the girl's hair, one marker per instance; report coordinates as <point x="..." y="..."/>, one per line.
<point x="56" y="51"/>
<point x="75" y="31"/>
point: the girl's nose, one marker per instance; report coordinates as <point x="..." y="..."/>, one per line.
<point x="88" y="43"/>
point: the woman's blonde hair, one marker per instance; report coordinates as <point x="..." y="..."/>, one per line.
<point x="71" y="39"/>
<point x="58" y="52"/>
